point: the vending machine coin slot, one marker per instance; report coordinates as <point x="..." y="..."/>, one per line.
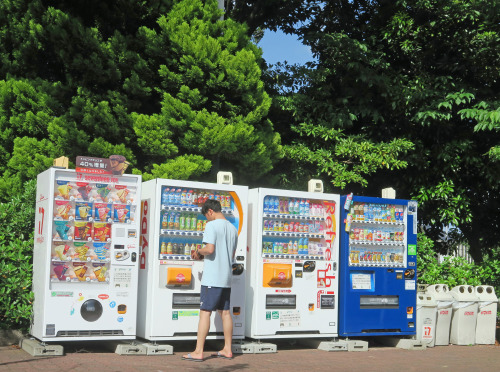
<point x="309" y="266"/>
<point x="238" y="269"/>
<point x="240" y="258"/>
<point x="236" y="310"/>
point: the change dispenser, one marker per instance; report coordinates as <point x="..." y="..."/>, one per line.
<point x="487" y="314"/>
<point x="463" y="321"/>
<point x="444" y="300"/>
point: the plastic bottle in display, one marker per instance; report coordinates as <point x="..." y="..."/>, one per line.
<point x="296" y="206"/>
<point x="169" y="248"/>
<point x="171" y="196"/>
<point x="276" y="207"/>
<point x="194" y="198"/>
<point x="295" y="247"/>
<point x="164" y="195"/>
<point x="290" y="206"/>
<point x="182" y="222"/>
<point x="266" y="204"/>
<point x="301" y="207"/>
<point x="189" y="194"/>
<point x="306" y="208"/>
<point x="177" y="221"/>
<point x="177" y="199"/>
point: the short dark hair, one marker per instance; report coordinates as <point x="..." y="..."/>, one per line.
<point x="211" y="204"/>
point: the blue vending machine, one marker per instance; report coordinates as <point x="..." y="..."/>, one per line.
<point x="378" y="267"/>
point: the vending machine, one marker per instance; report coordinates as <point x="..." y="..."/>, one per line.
<point x="172" y="227"/>
<point x="86" y="255"/>
<point x="378" y="267"/>
<point x="292" y="282"/>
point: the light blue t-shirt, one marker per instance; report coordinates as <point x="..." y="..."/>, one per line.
<point x="217" y="269"/>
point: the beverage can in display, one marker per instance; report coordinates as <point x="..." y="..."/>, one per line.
<point x="228" y="201"/>
<point x="296" y="227"/>
<point x="217" y="197"/>
<point x="301" y="227"/>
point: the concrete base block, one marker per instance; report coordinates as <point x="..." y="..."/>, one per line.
<point x="243" y="347"/>
<point x="337" y="345"/>
<point x="357" y="345"/>
<point x="158" y="349"/>
<point x="404" y="343"/>
<point x="36" y="348"/>
<point x="252" y="347"/>
<point x="131" y="348"/>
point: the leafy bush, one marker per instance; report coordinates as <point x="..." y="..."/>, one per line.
<point x="17" y="219"/>
<point x="456" y="270"/>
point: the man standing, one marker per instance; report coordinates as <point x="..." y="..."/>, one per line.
<point x="220" y="238"/>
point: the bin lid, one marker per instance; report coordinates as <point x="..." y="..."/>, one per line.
<point x="464" y="293"/>
<point x="486" y="293"/>
<point x="426" y="299"/>
<point x="440" y="292"/>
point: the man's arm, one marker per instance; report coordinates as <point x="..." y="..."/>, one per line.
<point x="207" y="249"/>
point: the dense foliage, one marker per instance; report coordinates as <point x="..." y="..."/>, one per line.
<point x="404" y="94"/>
<point x="17" y="219"/>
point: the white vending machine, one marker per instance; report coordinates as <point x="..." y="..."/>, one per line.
<point x="292" y="283"/>
<point x="169" y="280"/>
<point x="86" y="256"/>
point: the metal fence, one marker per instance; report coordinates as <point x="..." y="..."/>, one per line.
<point x="461" y="251"/>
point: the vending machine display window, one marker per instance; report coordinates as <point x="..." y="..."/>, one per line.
<point x="377" y="235"/>
<point x="181" y="222"/>
<point x="83" y="215"/>
<point x="293" y="228"/>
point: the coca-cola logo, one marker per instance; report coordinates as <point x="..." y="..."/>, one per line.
<point x="443" y="312"/>
<point x="281" y="276"/>
<point x="486" y="312"/>
<point x="103" y="296"/>
<point x="469" y="313"/>
<point x="180" y="278"/>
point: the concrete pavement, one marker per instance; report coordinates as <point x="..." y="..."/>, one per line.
<point x="94" y="357"/>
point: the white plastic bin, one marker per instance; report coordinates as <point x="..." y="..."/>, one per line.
<point x="444" y="300"/>
<point x="426" y="318"/>
<point x="463" y="321"/>
<point x="486" y="314"/>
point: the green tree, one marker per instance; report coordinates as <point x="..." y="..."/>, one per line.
<point x="419" y="76"/>
<point x="165" y="83"/>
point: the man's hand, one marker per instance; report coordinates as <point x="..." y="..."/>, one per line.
<point x="195" y="255"/>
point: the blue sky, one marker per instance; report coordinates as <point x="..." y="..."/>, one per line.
<point x="278" y="47"/>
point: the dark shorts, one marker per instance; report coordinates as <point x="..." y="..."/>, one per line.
<point x="214" y="298"/>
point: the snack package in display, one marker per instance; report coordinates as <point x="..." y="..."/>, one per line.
<point x="64" y="210"/>
<point x="64" y="190"/>
<point x="83" y="230"/>
<point x="83" y="211"/>
<point x="102" y="212"/>
<point x="101" y="250"/>
<point x="84" y="191"/>
<point x="122" y="194"/>
<point x="81" y="251"/>
<point x="121" y="213"/>
<point x="99" y="271"/>
<point x="102" y="232"/>
<point x="80" y="269"/>
<point x="60" y="270"/>
<point x="103" y="191"/>
<point x="62" y="251"/>
<point x="63" y="231"/>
